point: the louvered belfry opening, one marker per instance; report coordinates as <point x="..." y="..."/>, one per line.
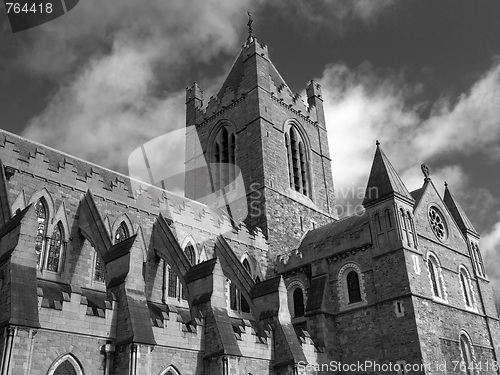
<point x="225" y="158"/>
<point x="297" y="161"/>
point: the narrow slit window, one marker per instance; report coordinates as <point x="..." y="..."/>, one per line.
<point x="98" y="268"/>
<point x="378" y="223"/>
<point x="298" y="303"/>
<point x="404" y="227"/>
<point x="388" y="219"/>
<point x="41" y="232"/>
<point x="411" y="239"/>
<point x="172" y="283"/>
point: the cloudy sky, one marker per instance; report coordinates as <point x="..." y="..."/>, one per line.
<point x="422" y="76"/>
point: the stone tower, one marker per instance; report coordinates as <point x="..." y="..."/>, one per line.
<point x="276" y="141"/>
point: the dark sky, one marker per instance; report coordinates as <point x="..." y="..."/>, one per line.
<point x="423" y="76"/>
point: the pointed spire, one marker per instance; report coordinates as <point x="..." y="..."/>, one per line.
<point x="458" y="214"/>
<point x="384" y="181"/>
<point x="252" y="68"/>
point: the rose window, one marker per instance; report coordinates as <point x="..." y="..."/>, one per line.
<point x="438" y="224"/>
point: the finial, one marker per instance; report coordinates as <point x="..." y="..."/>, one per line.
<point x="426" y="172"/>
<point x="250" y="21"/>
<point x="445" y="184"/>
<point x="377" y="143"/>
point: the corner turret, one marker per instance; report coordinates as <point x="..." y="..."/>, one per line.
<point x="384" y="182"/>
<point x="389" y="205"/>
<point x="315" y="101"/>
<point x="194" y="104"/>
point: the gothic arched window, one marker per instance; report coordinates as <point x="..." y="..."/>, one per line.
<point x="98" y="268"/>
<point x="66" y="365"/>
<point x="246" y="265"/>
<point x="477" y="259"/>
<point x="190" y="254"/>
<point x="42" y="220"/>
<point x="435" y="276"/>
<point x="55" y="249"/>
<point x="467" y="354"/>
<point x="243" y="302"/>
<point x="121" y="233"/>
<point x="353" y="289"/>
<point x="466" y="287"/>
<point x="297" y="161"/>
<point x="65" y="368"/>
<point x="224" y="157"/>
<point x="172" y="283"/>
<point x="298" y="303"/>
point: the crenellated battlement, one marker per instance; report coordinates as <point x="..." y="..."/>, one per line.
<point x="64" y="307"/>
<point x="30" y="159"/>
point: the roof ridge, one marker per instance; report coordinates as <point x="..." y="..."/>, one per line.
<point x="457" y="212"/>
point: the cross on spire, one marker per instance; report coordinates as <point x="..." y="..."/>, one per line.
<point x="250" y="21"/>
<point x="426" y="171"/>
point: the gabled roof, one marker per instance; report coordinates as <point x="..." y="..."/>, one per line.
<point x="350" y="233"/>
<point x="458" y="214"/>
<point x="384" y="181"/>
<point x="265" y="287"/>
<point x="200" y="270"/>
<point x="417" y="194"/>
<point x="332" y="230"/>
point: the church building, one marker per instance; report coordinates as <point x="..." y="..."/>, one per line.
<point x="102" y="274"/>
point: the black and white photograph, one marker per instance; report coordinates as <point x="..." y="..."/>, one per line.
<point x="249" y="187"/>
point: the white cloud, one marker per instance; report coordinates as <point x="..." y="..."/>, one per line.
<point x="114" y="60"/>
<point x="177" y="29"/>
<point x="107" y="111"/>
<point x="362" y="106"/>
<point x="490" y="248"/>
<point x="121" y="95"/>
<point x="109" y="103"/>
<point x="471" y="125"/>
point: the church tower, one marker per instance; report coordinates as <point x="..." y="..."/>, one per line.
<point x="256" y="126"/>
